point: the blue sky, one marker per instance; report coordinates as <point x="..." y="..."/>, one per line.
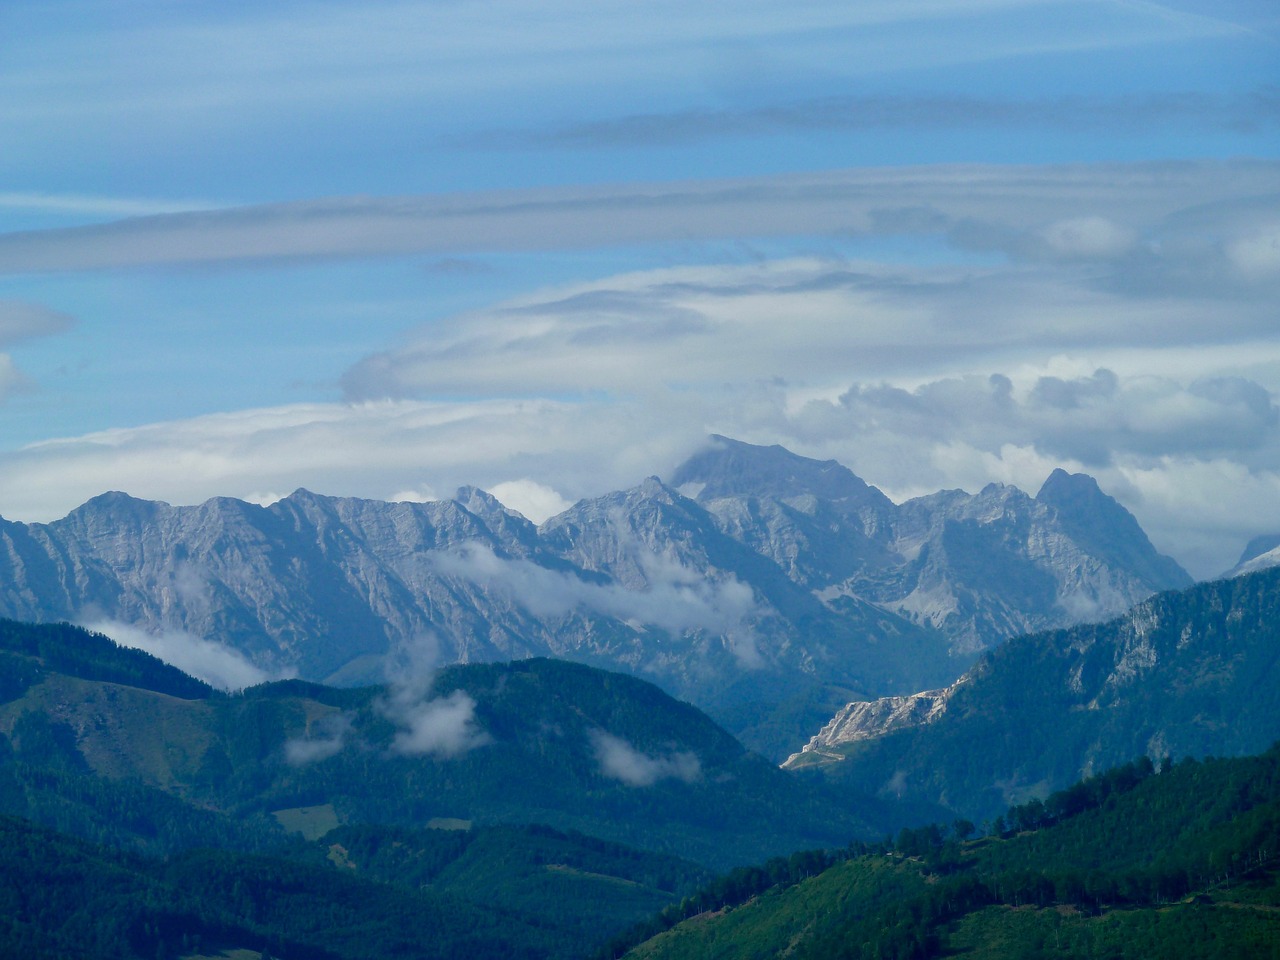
<point x="384" y="249"/>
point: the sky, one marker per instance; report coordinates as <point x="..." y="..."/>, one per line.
<point x="386" y="249"/>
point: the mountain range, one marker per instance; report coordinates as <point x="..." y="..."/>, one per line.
<point x="765" y="587"/>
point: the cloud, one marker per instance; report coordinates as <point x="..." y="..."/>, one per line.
<point x="21" y="321"/>
<point x="24" y="321"/>
<point x="1091" y="420"/>
<point x="967" y="201"/>
<point x="1140" y="435"/>
<point x="531" y="499"/>
<point x="378" y="450"/>
<point x="215" y="664"/>
<point x="1257" y="256"/>
<point x="457" y="267"/>
<point x="1110" y="318"/>
<point x="674" y="598"/>
<point x="443" y="727"/>
<point x="1253" y="110"/>
<point x="619" y="760"/>
<point x="700" y="328"/>
<point x="327" y="739"/>
<point x="423" y="494"/>
<point x="93" y="206"/>
<point x="12" y="380"/>
<point x="312" y="58"/>
<point x="909" y="438"/>
<point x="1089" y="238"/>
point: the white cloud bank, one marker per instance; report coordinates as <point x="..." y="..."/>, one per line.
<point x="674" y="598"/>
<point x="442" y="727"/>
<point x="215" y="664"/>
<point x="529" y="498"/>
<point x="327" y="739"/>
<point x="619" y="760"/>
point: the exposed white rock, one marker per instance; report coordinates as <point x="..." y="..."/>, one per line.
<point x="869" y="719"/>
<point x="1252" y="562"/>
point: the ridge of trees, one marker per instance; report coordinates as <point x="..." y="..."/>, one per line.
<point x="1138" y="835"/>
<point x="77" y="652"/>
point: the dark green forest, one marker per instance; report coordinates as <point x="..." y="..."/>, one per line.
<point x="1180" y="860"/>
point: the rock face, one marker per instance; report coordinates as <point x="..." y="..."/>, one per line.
<point x="757" y="576"/>
<point x="978" y="568"/>
<point x="869" y="719"/>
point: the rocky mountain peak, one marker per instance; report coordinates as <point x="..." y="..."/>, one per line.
<point x="1259" y="546"/>
<point x="488" y="507"/>
<point x="302" y="495"/>
<point x="113" y="512"/>
<point x="1101" y="525"/>
<point x="117" y="503"/>
<point x="731" y="468"/>
<point x="1075" y="491"/>
<point x="1259" y="554"/>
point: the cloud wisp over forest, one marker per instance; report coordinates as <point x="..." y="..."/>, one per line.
<point x="389" y="249"/>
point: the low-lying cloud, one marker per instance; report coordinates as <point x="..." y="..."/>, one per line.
<point x="675" y="598"/>
<point x="326" y="739"/>
<point x="530" y="499"/>
<point x="619" y="760"/>
<point x="442" y="727"/>
<point x="215" y="664"/>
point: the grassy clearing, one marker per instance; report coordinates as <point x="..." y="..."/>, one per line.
<point x="312" y="822"/>
<point x="448" y="823"/>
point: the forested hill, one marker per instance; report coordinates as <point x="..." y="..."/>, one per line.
<point x="536" y="741"/>
<point x="546" y="896"/>
<point x="1188" y="673"/>
<point x="30" y="651"/>
<point x="1134" y="863"/>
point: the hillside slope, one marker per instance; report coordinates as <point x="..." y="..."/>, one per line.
<point x="1187" y="673"/>
<point x="1137" y="864"/>
<point x="535" y="741"/>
